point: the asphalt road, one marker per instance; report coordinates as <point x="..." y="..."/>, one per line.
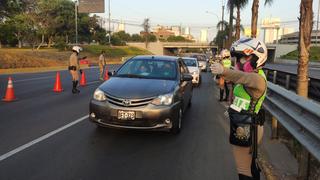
<point x="314" y="72"/>
<point x="46" y="135"/>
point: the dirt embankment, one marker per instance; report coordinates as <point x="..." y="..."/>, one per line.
<point x="26" y="58"/>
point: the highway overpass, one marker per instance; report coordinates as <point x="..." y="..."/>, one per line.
<point x="275" y="51"/>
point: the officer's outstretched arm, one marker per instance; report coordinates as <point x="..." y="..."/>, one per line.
<point x="250" y="80"/>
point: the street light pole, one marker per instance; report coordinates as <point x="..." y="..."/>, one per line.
<point x="109" y="31"/>
<point x="76" y="19"/>
<point x="222" y="17"/>
<point x="317" y="32"/>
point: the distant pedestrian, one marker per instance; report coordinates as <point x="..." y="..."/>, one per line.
<point x="74" y="67"/>
<point x="102" y="64"/>
<point x="226" y="62"/>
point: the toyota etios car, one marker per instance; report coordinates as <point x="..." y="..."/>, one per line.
<point x="147" y="93"/>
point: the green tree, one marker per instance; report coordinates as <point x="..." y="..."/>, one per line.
<point x="136" y="38"/>
<point x="23" y="26"/>
<point x="150" y="37"/>
<point x="177" y="39"/>
<point x="123" y="36"/>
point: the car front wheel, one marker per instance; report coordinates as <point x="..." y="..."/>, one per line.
<point x="176" y="124"/>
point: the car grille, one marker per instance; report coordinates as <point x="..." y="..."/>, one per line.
<point x="128" y="102"/>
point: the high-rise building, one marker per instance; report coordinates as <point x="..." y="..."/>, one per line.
<point x="273" y="31"/>
<point x="186" y="31"/>
<point x="121" y="26"/>
<point x="176" y="30"/>
<point x="204" y="35"/>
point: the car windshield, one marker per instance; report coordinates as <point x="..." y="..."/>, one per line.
<point x="149" y="69"/>
<point x="190" y="62"/>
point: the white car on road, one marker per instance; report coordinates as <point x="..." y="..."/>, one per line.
<point x="193" y="67"/>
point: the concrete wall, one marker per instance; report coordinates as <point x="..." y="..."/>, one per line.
<point x="155" y="48"/>
<point x="282" y="49"/>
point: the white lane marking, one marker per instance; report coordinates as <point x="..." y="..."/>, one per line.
<point x="44" y="137"/>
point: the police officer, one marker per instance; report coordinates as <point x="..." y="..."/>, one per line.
<point x="102" y="63"/>
<point x="226" y="62"/>
<point x="74" y="67"/>
<point x="249" y="93"/>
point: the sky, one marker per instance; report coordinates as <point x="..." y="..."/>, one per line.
<point x="193" y="13"/>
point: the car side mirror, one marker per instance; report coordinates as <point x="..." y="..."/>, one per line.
<point x="111" y="73"/>
<point x="187" y="77"/>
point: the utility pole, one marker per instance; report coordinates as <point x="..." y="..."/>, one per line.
<point x="109" y="28"/>
<point x="317" y="32"/>
<point x="222" y="16"/>
<point x="222" y="28"/>
<point x="146" y="27"/>
<point x="76" y="19"/>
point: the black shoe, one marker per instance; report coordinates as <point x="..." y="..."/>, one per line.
<point x="225" y="99"/>
<point x="243" y="177"/>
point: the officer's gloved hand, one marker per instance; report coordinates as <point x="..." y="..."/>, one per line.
<point x="80" y="70"/>
<point x="216" y="68"/>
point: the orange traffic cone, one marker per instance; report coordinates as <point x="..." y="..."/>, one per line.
<point x="10" y="92"/>
<point x="57" y="85"/>
<point x="83" y="81"/>
<point x="106" y="76"/>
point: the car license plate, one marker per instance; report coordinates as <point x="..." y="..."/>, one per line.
<point x="126" y="115"/>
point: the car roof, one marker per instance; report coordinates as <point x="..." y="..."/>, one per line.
<point x="157" y="57"/>
<point x="190" y="58"/>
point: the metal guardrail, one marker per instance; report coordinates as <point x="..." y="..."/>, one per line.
<point x="289" y="81"/>
<point x="300" y="116"/>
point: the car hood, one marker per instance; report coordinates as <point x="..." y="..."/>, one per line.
<point x="192" y="69"/>
<point x="136" y="88"/>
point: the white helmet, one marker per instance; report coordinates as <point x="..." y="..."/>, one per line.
<point x="225" y="53"/>
<point x="76" y="49"/>
<point x="250" y="46"/>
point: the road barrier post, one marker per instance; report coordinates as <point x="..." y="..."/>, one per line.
<point x="274" y="128"/>
<point x="288" y="81"/>
<point x="274" y="77"/>
<point x="267" y="72"/>
<point x="304" y="164"/>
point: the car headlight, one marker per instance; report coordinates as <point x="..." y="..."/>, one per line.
<point x="99" y="95"/>
<point x="166" y="99"/>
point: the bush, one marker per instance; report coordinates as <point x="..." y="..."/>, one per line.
<point x="60" y="43"/>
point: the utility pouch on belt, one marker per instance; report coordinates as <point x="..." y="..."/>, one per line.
<point x="240" y="128"/>
<point x="72" y="68"/>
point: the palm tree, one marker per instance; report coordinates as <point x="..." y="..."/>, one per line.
<point x="231" y="7"/>
<point x="239" y="4"/>
<point x="254" y="17"/>
<point x="222" y="35"/>
<point x="305" y="29"/>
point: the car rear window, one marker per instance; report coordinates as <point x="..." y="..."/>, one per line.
<point x="190" y="62"/>
<point x="149" y="68"/>
<point x="199" y="57"/>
